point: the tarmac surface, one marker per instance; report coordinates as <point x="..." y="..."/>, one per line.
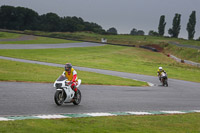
<point x="185" y="45"/>
<point x="47" y="46"/>
<point x="20" y="98"/>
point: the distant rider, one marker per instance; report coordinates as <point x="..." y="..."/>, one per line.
<point x="160" y="70"/>
<point x="71" y="75"/>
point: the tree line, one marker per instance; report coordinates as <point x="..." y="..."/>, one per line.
<point x="173" y="32"/>
<point x="176" y="26"/>
<point x="20" y="18"/>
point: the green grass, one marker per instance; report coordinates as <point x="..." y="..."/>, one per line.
<point x="190" y="42"/>
<point x="6" y="35"/>
<point x="186" y="123"/>
<point x="124" y="59"/>
<point x="37" y="40"/>
<point x="184" y="53"/>
<point x="18" y="71"/>
<point x="116" y="39"/>
<point x="117" y="58"/>
<point x="192" y="54"/>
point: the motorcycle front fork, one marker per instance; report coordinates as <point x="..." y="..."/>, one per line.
<point x="62" y="94"/>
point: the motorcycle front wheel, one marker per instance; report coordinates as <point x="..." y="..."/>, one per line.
<point x="59" y="97"/>
<point x="165" y="83"/>
<point x="77" y="98"/>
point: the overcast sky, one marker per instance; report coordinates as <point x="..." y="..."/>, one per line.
<point x="124" y="15"/>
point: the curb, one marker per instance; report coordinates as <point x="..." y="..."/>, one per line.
<point x="151" y="84"/>
<point x="61" y="116"/>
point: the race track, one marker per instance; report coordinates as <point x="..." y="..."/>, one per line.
<point x="47" y="46"/>
<point x="19" y="98"/>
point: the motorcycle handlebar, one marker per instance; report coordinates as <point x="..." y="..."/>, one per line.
<point x="68" y="82"/>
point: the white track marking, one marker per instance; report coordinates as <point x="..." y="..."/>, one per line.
<point x="4" y="119"/>
<point x="198" y="111"/>
<point x="173" y="112"/>
<point x="139" y="113"/>
<point x="51" y="116"/>
<point x="100" y="114"/>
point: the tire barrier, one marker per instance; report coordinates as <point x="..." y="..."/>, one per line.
<point x="184" y="61"/>
<point x="149" y="48"/>
<point x="119" y="44"/>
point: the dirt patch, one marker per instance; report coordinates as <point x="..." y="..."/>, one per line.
<point x="157" y="47"/>
<point x="21" y="38"/>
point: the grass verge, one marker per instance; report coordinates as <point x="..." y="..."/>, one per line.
<point x="117" y="58"/>
<point x="36" y="40"/>
<point x="185" y="123"/>
<point x="6" y="35"/>
<point x="192" y="54"/>
<point x="116" y="39"/>
<point x="184" y="53"/>
<point x="18" y="71"/>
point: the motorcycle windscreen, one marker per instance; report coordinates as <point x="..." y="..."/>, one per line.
<point x="61" y="78"/>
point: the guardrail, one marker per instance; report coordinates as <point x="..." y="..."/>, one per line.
<point x="184" y="61"/>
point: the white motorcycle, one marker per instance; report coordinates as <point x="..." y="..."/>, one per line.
<point x="164" y="79"/>
<point x="64" y="93"/>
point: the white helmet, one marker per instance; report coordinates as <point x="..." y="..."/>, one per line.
<point x="160" y="68"/>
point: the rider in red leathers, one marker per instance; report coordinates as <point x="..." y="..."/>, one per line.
<point x="71" y="75"/>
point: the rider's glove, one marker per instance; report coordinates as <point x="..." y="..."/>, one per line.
<point x="69" y="83"/>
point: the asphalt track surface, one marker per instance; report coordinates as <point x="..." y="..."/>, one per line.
<point x="185" y="45"/>
<point x="21" y="38"/>
<point x="47" y="46"/>
<point x="19" y="98"/>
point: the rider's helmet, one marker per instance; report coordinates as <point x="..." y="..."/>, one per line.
<point x="160" y="68"/>
<point x="68" y="67"/>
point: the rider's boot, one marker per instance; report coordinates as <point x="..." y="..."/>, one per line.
<point x="75" y="90"/>
<point x="75" y="95"/>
